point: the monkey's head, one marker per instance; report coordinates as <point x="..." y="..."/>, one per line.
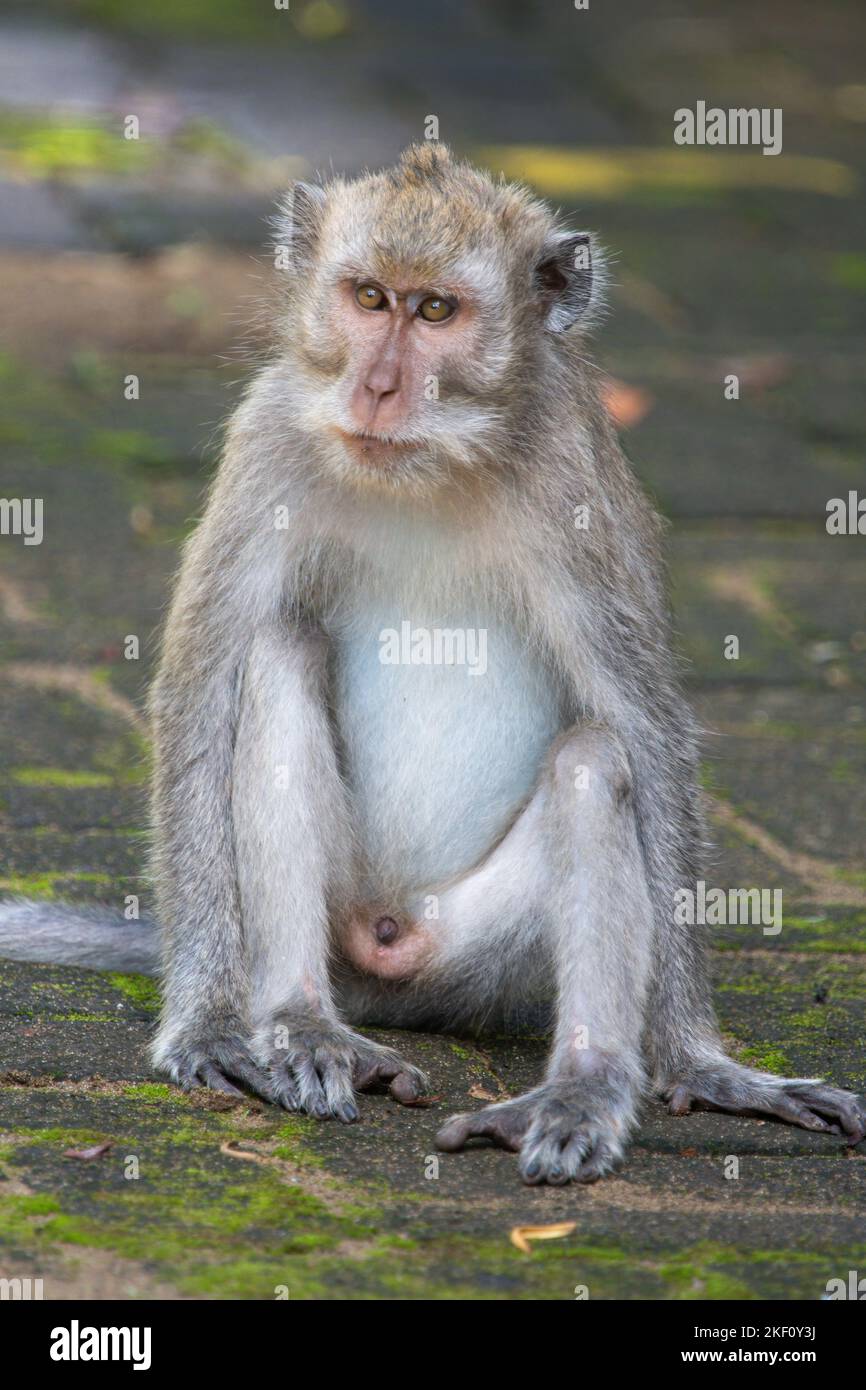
<point x="429" y="309"/>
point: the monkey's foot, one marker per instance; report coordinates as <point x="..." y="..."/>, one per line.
<point x="742" y="1091"/>
<point x="316" y="1067"/>
<point x="565" y="1131"/>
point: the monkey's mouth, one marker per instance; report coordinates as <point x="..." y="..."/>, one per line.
<point x="366" y="443"/>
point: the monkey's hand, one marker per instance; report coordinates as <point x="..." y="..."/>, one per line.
<point x="316" y="1066"/>
<point x="298" y="1062"/>
<point x="565" y="1130"/>
<point x="215" y="1054"/>
<point x="726" y="1085"/>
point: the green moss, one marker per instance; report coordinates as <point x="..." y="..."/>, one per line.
<point x="809" y="1019"/>
<point x="47" y="147"/>
<point x="767" y="1058"/>
<point x="45" y="885"/>
<point x="58" y="777"/>
<point x="848" y="269"/>
<point x="65" y="1137"/>
<point x="830" y="935"/>
<point x="43" y="146"/>
<point x="139" y="988"/>
<point x="130" y="447"/>
<point x="22" y="1217"/>
<point x="856" y="876"/>
<point x="152" y="1091"/>
<point x="317" y="20"/>
<point x="292" y="1145"/>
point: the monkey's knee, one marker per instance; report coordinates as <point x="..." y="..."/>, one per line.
<point x="590" y="765"/>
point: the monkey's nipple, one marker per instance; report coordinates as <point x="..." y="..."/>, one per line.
<point x="386" y="930"/>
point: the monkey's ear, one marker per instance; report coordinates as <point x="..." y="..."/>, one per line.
<point x="563" y="278"/>
<point x="300" y="219"/>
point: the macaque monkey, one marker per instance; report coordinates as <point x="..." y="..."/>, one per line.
<point x="348" y="831"/>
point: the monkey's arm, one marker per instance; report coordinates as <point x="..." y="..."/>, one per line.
<point x="194" y="704"/>
<point x="250" y="827"/>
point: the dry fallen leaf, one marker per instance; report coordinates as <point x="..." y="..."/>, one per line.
<point x="95" y="1151"/>
<point x="626" y="404"/>
<point x="229" y="1148"/>
<point x="479" y="1093"/>
<point x="688" y="1153"/>
<point x="522" y="1235"/>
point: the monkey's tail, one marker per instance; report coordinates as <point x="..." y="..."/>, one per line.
<point x="99" y="938"/>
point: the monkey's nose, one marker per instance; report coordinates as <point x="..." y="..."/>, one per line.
<point x="386" y="930"/>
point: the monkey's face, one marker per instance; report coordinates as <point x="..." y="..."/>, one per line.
<point x="408" y="356"/>
<point x="418" y="318"/>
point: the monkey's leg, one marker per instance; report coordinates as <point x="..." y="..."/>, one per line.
<point x="575" y="1124"/>
<point x="293" y="847"/>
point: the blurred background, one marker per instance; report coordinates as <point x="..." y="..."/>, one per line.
<point x="121" y="256"/>
<point x="145" y="257"/>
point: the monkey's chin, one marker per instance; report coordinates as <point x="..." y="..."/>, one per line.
<point x="375" y="450"/>
<point x="393" y="466"/>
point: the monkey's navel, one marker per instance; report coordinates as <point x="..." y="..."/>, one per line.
<point x="386" y="930"/>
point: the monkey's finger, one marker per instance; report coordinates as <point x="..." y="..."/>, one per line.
<point x="407" y="1087"/>
<point x="311" y="1094"/>
<point x="604" y="1158"/>
<point x="405" y="1083"/>
<point x="336" y="1077"/>
<point x="551" y="1154"/>
<point x="283" y="1087"/>
<point x="215" y="1081"/>
<point x="256" y="1079"/>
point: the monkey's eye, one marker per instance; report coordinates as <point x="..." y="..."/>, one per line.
<point x="369" y="297"/>
<point x="434" y="309"/>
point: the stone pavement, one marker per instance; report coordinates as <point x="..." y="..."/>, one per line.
<point x="759" y="273"/>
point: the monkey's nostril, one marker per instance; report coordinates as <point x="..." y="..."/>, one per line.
<point x="386" y="930"/>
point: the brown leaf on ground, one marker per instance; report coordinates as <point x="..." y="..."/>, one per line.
<point x="251" y="1155"/>
<point x="522" y="1235"/>
<point x="481" y="1093"/>
<point x="95" y="1151"/>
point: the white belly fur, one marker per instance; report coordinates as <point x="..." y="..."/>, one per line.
<point x="439" y="760"/>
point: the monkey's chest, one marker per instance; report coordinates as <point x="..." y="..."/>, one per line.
<point x="443" y="725"/>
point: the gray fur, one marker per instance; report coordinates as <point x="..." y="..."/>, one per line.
<point x="401" y="789"/>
